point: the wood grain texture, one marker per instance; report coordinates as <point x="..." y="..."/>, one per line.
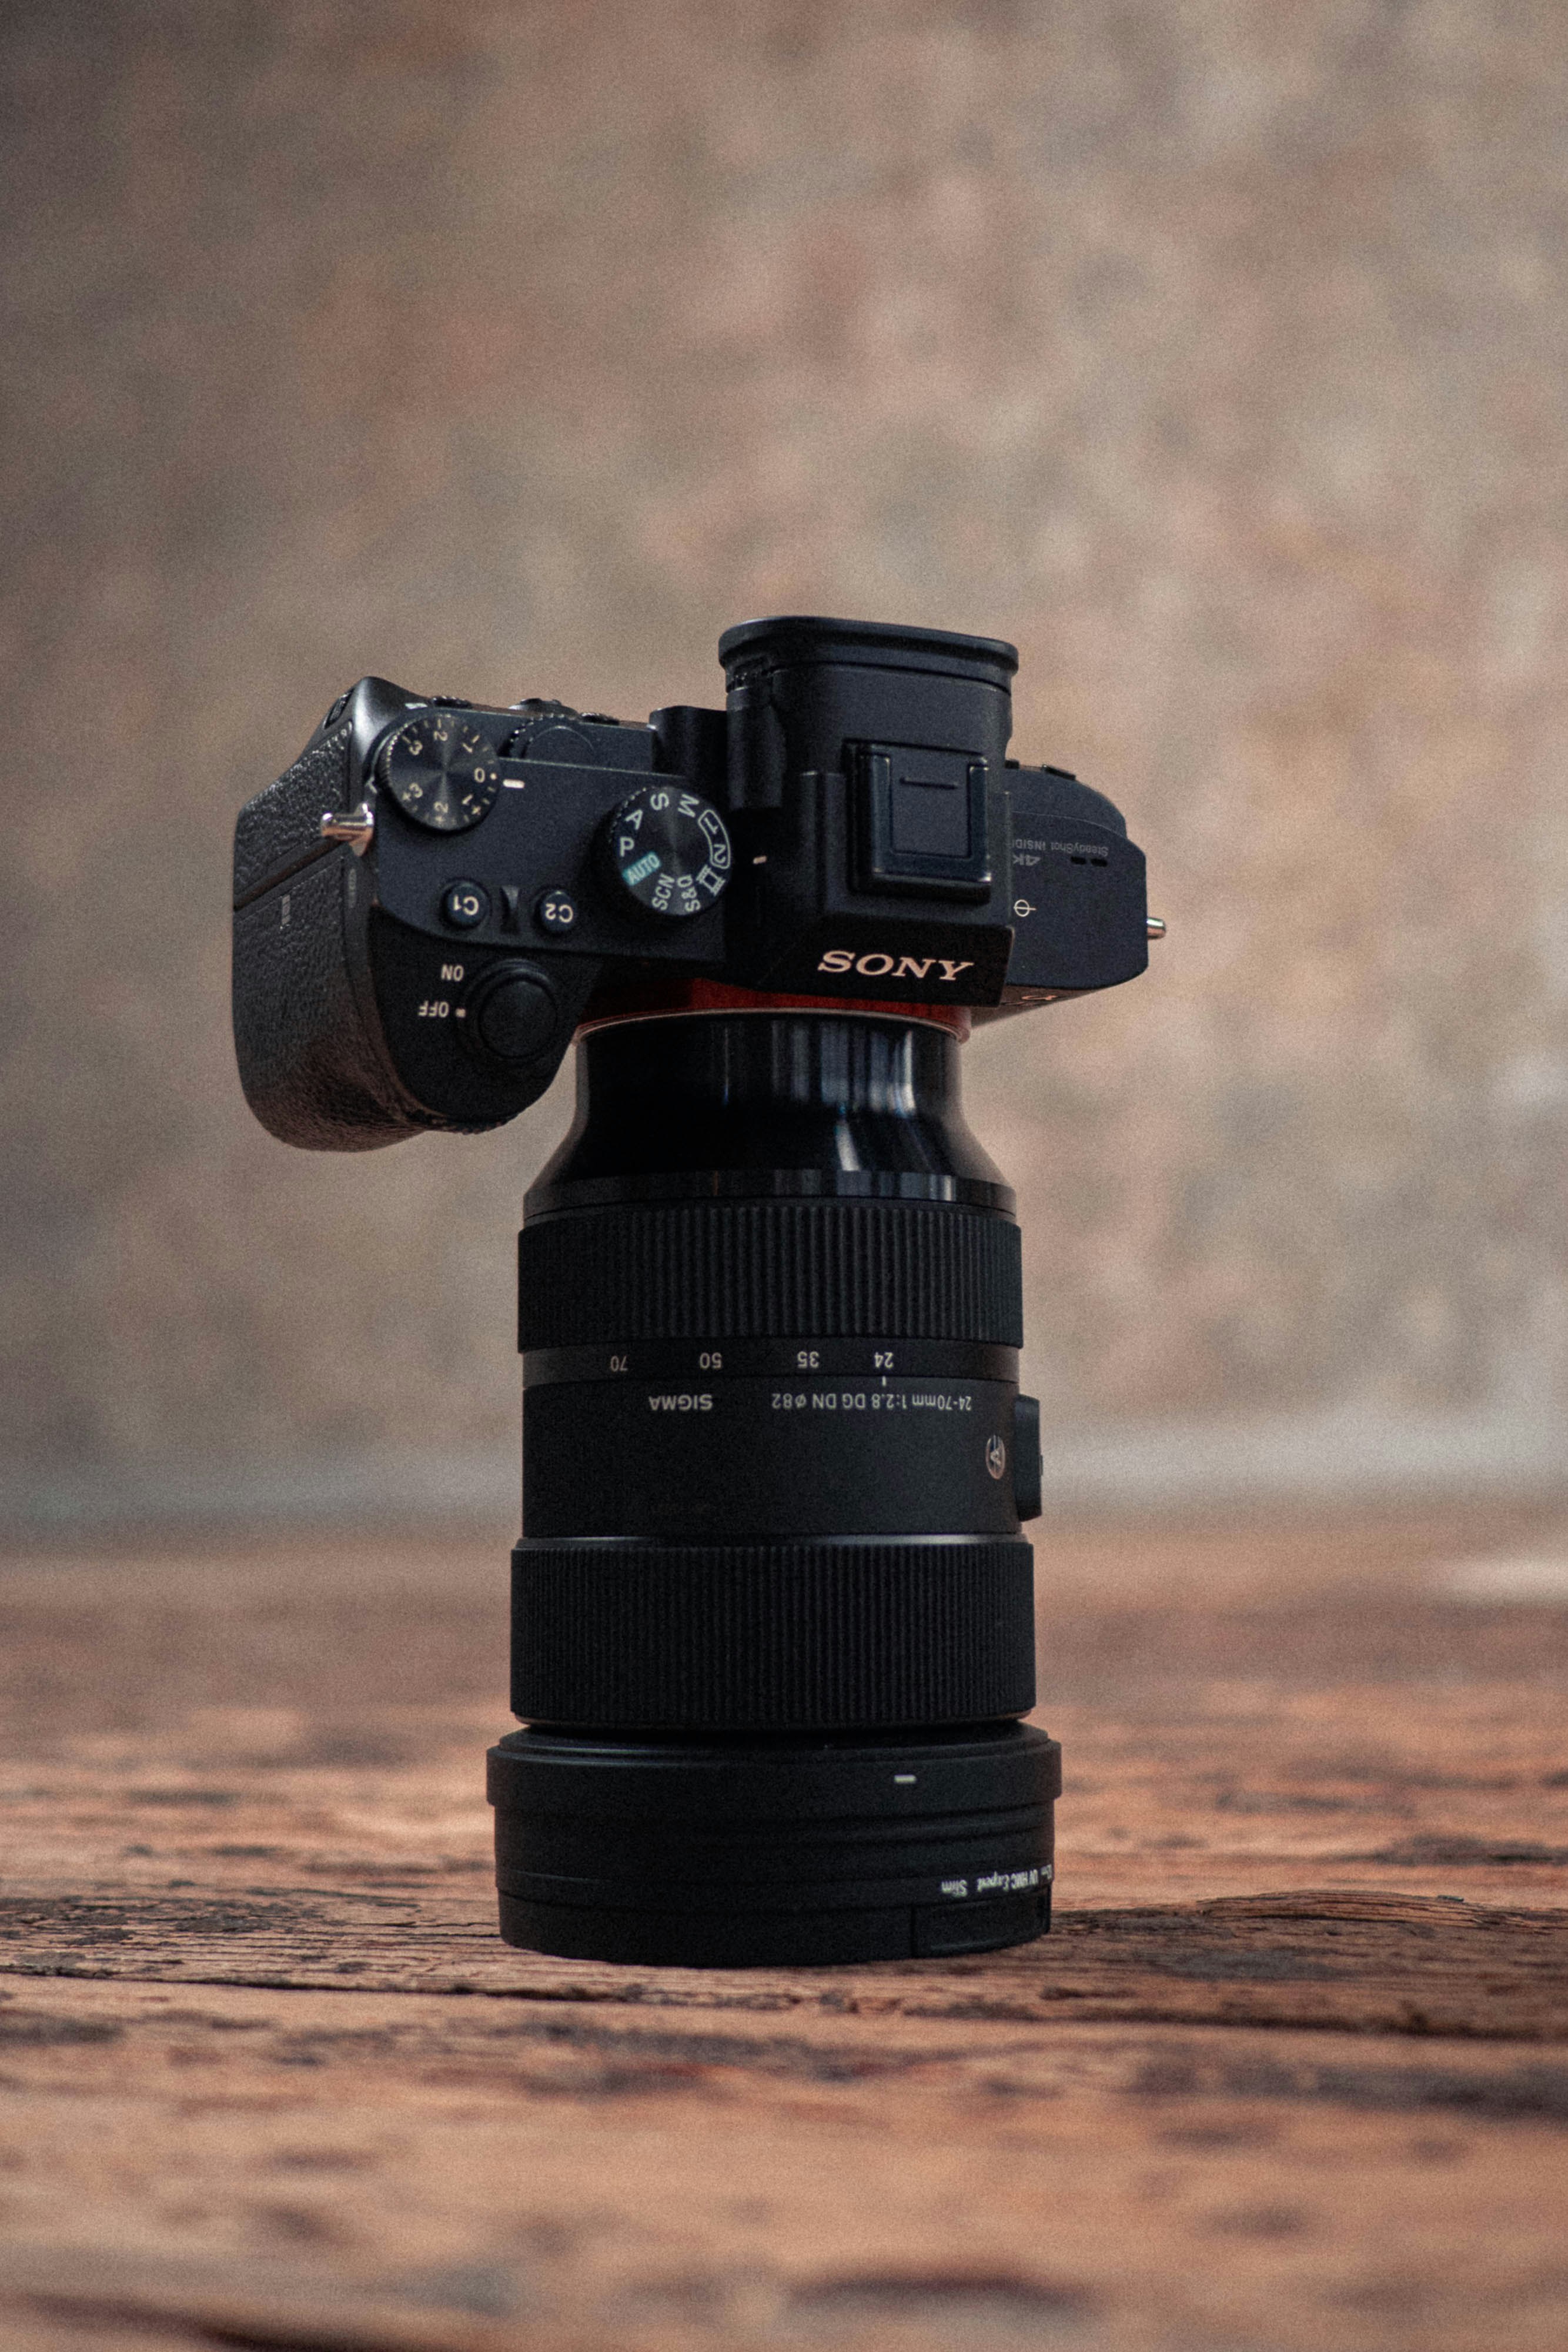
<point x="1291" y="2071"/>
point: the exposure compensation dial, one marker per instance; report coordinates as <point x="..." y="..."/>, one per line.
<point x="440" y="768"/>
<point x="667" y="851"/>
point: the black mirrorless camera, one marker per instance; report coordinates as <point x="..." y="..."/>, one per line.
<point x="772" y="1612"/>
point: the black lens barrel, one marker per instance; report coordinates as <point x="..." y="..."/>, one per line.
<point x="770" y="1269"/>
<point x="767" y="1105"/>
<point x="733" y="1856"/>
<point x="772" y="1571"/>
<point x="825" y="1636"/>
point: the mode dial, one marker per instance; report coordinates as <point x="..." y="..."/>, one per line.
<point x="440" y="768"/>
<point x="667" y="850"/>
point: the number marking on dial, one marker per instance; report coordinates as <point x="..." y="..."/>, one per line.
<point x="438" y="773"/>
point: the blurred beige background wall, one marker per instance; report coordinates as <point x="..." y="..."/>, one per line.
<point x="1214" y="350"/>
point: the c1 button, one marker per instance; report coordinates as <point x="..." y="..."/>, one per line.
<point x="465" y="904"/>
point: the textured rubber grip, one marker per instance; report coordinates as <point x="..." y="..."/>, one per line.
<point x="311" y="1061"/>
<point x="770" y="1269"/>
<point x="804" y="1636"/>
<point x="280" y="829"/>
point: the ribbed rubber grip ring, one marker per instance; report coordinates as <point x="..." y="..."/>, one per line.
<point x="806" y="1636"/>
<point x="770" y="1269"/>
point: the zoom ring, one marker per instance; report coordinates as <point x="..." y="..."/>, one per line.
<point x="803" y="1636"/>
<point x="765" y="1269"/>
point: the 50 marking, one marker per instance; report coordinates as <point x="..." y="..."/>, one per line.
<point x="710" y="1361"/>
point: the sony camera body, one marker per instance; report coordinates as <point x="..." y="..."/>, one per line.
<point x="437" y="894"/>
<point x="773" y="1606"/>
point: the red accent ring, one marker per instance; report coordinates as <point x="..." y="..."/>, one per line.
<point x="651" y="998"/>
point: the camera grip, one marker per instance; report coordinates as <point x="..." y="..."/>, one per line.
<point x="311" y="1058"/>
<point x="280" y="830"/>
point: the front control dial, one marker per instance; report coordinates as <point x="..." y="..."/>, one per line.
<point x="667" y="850"/>
<point x="440" y="768"/>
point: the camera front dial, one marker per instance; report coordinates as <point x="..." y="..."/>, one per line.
<point x="440" y="768"/>
<point x="667" y="850"/>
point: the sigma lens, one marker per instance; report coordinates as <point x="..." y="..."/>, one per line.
<point x="772" y="1612"/>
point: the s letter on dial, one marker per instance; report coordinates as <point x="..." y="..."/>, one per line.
<point x="667" y="850"/>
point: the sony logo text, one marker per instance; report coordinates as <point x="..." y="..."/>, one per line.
<point x="886" y="966"/>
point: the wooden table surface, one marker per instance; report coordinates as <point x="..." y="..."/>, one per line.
<point x="1289" y="2072"/>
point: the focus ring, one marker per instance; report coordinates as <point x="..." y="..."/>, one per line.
<point x="770" y="1269"/>
<point x="803" y="1636"/>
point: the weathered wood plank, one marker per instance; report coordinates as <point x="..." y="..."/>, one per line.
<point x="322" y="2167"/>
<point x="267" y="2077"/>
<point x="1365" y="1963"/>
<point x="322" y="1718"/>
